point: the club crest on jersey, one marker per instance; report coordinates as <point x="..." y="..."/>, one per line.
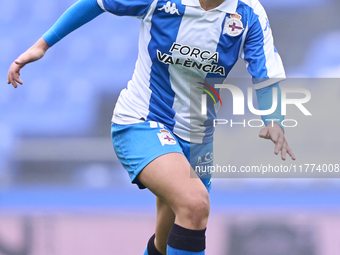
<point x="166" y="138"/>
<point x="233" y="26"/>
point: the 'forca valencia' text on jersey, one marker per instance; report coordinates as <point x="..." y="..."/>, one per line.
<point x="180" y="43"/>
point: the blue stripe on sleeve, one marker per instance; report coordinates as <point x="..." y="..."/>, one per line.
<point x="254" y="53"/>
<point x="265" y="100"/>
<point x="74" y="17"/>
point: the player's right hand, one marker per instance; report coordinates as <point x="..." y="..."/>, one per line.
<point x="275" y="133"/>
<point x="37" y="51"/>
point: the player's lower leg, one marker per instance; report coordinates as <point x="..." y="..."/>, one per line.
<point x="165" y="220"/>
<point x="187" y="236"/>
<point x="183" y="241"/>
<point x="187" y="197"/>
<point x="151" y="248"/>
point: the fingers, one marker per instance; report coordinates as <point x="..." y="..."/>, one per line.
<point x="290" y="152"/>
<point x="14" y="75"/>
<point x="14" y="70"/>
<point x="278" y="138"/>
<point x="284" y="151"/>
<point x="19" y="81"/>
<point x="284" y="148"/>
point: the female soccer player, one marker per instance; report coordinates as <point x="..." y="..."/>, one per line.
<point x="181" y="42"/>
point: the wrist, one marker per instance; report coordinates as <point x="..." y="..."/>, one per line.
<point x="42" y="45"/>
<point x="275" y="125"/>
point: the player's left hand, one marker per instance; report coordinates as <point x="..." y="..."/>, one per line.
<point x="276" y="134"/>
<point x="36" y="52"/>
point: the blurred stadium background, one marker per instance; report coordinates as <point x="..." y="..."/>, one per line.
<point x="62" y="190"/>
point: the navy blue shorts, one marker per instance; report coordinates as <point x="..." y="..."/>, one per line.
<point x="136" y="145"/>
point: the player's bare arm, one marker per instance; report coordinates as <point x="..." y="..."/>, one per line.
<point x="36" y="52"/>
<point x="275" y="133"/>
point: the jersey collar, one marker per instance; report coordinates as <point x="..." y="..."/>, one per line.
<point x="228" y="6"/>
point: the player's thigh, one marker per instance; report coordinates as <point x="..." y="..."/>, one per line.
<point x="170" y="178"/>
<point x="137" y="145"/>
<point x="154" y="158"/>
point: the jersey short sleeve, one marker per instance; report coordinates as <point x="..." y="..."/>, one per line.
<point x="263" y="61"/>
<point x="135" y="8"/>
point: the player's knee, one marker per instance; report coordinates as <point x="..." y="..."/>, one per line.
<point x="196" y="209"/>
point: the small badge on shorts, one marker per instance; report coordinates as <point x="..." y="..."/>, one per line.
<point x="165" y="137"/>
<point x="233" y="26"/>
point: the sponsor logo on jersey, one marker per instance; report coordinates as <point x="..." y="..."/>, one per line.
<point x="192" y="57"/>
<point x="169" y="8"/>
<point x="207" y="158"/>
<point x="165" y="137"/>
<point x="203" y="165"/>
<point x="233" y="26"/>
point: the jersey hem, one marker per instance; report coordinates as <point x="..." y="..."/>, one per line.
<point x="127" y="121"/>
<point x="269" y="81"/>
<point x="145" y="162"/>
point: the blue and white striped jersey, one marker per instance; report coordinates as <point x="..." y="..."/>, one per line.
<point x="179" y="43"/>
